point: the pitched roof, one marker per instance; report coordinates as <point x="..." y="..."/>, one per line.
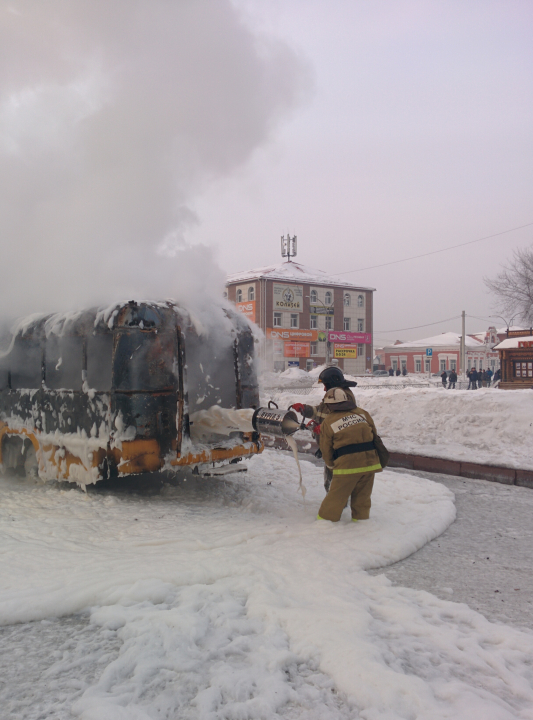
<point x="513" y="342"/>
<point x="443" y="340"/>
<point x="293" y="272"/>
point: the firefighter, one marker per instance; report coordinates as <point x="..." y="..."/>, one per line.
<point x="330" y="377"/>
<point x="348" y="440"/>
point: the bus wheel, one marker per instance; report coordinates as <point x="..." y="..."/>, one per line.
<point x="18" y="456"/>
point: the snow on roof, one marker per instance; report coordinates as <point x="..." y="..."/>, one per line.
<point x="512" y="342"/>
<point x="443" y="340"/>
<point x="292" y="272"/>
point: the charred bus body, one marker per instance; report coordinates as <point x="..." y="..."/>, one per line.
<point x="101" y="394"/>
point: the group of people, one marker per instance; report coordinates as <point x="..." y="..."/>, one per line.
<point x="349" y="444"/>
<point x="397" y="372"/>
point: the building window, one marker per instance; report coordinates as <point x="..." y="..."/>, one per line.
<point x="360" y="351"/>
<point x="239" y="295"/>
<point x="314" y="348"/>
<point x="443" y="365"/>
<point x="347" y="299"/>
<point x="428" y="365"/>
<point x="251" y="293"/>
<point x="294" y="320"/>
<point x="309" y="365"/>
<point x="360" y="325"/>
<point x="329" y="322"/>
<point x="418" y="365"/>
<point x="360" y="301"/>
<point x="328" y="297"/>
<point x="453" y="364"/>
<point x="277" y="319"/>
<point x="314" y="322"/>
<point x="346" y="324"/>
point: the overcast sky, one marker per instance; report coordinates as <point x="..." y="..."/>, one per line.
<point x="417" y="135"/>
<point x="373" y="130"/>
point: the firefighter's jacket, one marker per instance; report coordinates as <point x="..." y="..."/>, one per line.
<point x="349" y="427"/>
<point x="319" y="412"/>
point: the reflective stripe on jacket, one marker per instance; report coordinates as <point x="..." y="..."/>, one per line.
<point x="339" y="429"/>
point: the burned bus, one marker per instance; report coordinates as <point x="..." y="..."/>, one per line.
<point x="105" y="393"/>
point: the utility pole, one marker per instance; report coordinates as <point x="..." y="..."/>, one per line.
<point x="463" y="343"/>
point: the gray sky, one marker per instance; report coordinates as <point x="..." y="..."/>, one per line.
<point x="418" y="135"/>
<point x="130" y="133"/>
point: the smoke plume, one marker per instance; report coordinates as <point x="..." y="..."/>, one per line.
<point x="114" y="116"/>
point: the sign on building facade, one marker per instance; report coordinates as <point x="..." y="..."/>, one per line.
<point x="288" y="297"/>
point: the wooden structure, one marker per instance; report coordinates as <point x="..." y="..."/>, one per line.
<point x="516" y="360"/>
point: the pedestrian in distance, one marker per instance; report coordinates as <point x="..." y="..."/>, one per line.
<point x="404" y="370"/>
<point x="452" y="380"/>
<point x="474" y="375"/>
<point x="444" y="378"/>
<point x="354" y="452"/>
<point x="489" y="377"/>
<point x="398" y="372"/>
<point x="497" y="375"/>
<point x="331" y="377"/>
<point x="391" y="372"/>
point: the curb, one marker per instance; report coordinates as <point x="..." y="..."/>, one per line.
<point x="475" y="471"/>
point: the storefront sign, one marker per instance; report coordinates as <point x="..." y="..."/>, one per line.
<point x="247" y="308"/>
<point x="278" y="347"/>
<point x="345" y="351"/>
<point x="322" y="310"/>
<point x="296" y="349"/>
<point x="288" y="297"/>
<point x="287" y="334"/>
<point x="349" y="338"/>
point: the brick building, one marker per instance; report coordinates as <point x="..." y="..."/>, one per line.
<point x="442" y="352"/>
<point x="308" y="317"/>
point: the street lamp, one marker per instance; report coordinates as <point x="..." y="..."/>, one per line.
<point x="332" y="305"/>
<point x="509" y="323"/>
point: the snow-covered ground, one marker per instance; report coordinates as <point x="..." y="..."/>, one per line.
<point x="227" y="599"/>
<point x="484" y="426"/>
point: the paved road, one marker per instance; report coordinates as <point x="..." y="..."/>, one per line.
<point x="485" y="558"/>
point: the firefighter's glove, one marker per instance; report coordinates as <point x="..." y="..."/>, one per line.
<point x="299" y="407"/>
<point x="315" y="429"/>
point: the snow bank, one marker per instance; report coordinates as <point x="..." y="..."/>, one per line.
<point x="225" y="595"/>
<point x="486" y="426"/>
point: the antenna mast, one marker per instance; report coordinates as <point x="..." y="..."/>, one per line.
<point x="288" y="246"/>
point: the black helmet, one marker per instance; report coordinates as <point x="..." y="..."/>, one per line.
<point x="331" y="377"/>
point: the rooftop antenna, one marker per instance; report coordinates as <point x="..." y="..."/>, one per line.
<point x="288" y="246"/>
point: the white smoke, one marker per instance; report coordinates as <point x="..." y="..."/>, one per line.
<point x="114" y="116"/>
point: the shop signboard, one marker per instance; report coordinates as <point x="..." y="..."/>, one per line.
<point x="288" y="334"/>
<point x="345" y="351"/>
<point x="297" y="349"/>
<point x="278" y="347"/>
<point x="349" y="338"/>
<point x="288" y="297"/>
<point x="322" y="310"/>
<point x="293" y="363"/>
<point x="247" y="308"/>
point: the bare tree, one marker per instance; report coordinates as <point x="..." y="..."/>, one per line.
<point x="514" y="285"/>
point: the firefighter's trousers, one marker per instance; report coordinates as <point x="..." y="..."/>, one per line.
<point x="357" y="488"/>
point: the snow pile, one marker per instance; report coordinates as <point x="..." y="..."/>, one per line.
<point x="232" y="601"/>
<point x="485" y="426"/>
<point x="292" y="377"/>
